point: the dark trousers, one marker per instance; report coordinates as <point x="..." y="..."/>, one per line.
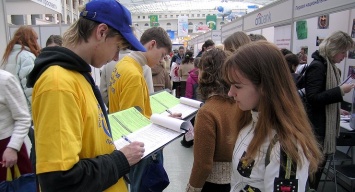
<point x="314" y="181"/>
<point x="183" y="88"/>
<point x="213" y="187"/>
<point x="177" y="87"/>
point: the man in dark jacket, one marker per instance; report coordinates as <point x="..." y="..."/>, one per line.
<point x="177" y="58"/>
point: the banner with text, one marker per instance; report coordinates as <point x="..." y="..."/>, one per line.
<point x="183" y="26"/>
<point x="55" y="5"/>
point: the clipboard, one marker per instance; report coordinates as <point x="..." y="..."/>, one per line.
<point x="347" y="80"/>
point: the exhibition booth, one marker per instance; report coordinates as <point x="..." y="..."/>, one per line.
<point x="296" y="24"/>
<point x="196" y="43"/>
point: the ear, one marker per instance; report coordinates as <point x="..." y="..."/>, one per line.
<point x="101" y="31"/>
<point x="152" y="43"/>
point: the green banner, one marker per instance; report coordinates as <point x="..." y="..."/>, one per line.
<point x="153" y="20"/>
<point x="301" y="29"/>
<point x="211" y="21"/>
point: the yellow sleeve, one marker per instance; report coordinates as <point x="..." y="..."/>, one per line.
<point x="58" y="130"/>
<point x="135" y="94"/>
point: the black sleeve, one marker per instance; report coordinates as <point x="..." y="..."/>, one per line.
<point x="89" y="175"/>
<point x="315" y="86"/>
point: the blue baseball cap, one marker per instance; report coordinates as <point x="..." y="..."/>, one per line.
<point x="115" y="15"/>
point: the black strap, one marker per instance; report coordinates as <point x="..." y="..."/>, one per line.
<point x="97" y="93"/>
<point x="304" y="69"/>
<point x="301" y="78"/>
<point x="288" y="168"/>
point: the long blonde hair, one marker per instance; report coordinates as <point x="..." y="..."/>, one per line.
<point x="280" y="107"/>
<point x="337" y="42"/>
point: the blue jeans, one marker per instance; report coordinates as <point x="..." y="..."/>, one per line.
<point x="136" y="172"/>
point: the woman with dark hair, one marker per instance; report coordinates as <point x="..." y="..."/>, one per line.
<point x="292" y="62"/>
<point x="186" y="66"/>
<point x="273" y="129"/>
<point x="214" y="129"/>
<point x="19" y="57"/>
<point x="54" y="40"/>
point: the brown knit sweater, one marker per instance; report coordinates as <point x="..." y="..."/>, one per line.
<point x="215" y="136"/>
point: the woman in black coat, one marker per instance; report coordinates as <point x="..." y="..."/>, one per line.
<point x="324" y="92"/>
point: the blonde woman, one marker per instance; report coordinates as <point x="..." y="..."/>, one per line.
<point x="324" y="93"/>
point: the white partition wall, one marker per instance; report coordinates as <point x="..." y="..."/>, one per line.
<point x="268" y="33"/>
<point x="307" y="9"/>
<point x="216" y="37"/>
<point x="43" y="31"/>
<point x="4" y="36"/>
<point x="230" y="28"/>
<point x="275" y="14"/>
<point x="282" y="38"/>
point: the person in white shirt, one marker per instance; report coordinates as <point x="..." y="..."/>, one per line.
<point x="275" y="148"/>
<point x="15" y="122"/>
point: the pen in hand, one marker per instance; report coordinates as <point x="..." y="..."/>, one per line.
<point x="169" y="111"/>
<point x="126" y="138"/>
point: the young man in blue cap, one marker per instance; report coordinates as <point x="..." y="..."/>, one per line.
<point x="74" y="147"/>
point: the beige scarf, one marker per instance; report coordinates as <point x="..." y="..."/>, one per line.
<point x="332" y="111"/>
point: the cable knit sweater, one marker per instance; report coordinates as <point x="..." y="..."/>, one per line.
<point x="14" y="115"/>
<point x="215" y="135"/>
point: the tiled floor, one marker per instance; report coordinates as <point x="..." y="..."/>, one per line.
<point x="178" y="162"/>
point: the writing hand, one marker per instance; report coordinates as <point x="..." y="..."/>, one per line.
<point x="176" y="115"/>
<point x="133" y="152"/>
<point x="347" y="87"/>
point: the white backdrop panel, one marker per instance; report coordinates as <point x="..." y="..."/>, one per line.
<point x="282" y="36"/>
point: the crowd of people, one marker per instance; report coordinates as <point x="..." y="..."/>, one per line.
<point x="246" y="138"/>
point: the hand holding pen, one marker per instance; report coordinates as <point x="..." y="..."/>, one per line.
<point x="174" y="115"/>
<point x="347" y="87"/>
<point x="133" y="152"/>
<point x="126" y="138"/>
